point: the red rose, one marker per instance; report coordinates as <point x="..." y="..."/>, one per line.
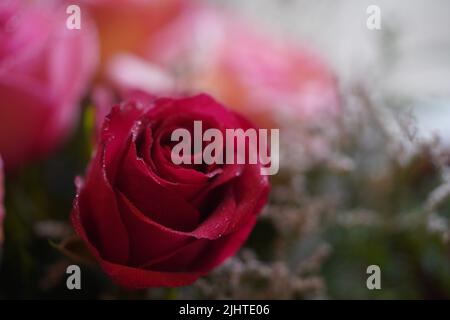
<point x="150" y="222"/>
<point x="44" y="71"/>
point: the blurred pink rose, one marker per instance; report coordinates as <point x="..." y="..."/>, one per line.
<point x="268" y="79"/>
<point x="44" y="72"/>
<point x="2" y="209"/>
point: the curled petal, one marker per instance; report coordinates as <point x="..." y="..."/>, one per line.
<point x="98" y="216"/>
<point x="141" y="186"/>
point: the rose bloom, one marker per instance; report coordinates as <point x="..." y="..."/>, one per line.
<point x="150" y="222"/>
<point x="44" y="71"/>
<point x="268" y="79"/>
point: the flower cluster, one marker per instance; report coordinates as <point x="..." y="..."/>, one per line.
<point x="142" y="70"/>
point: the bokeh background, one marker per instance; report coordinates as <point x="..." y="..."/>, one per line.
<point x="407" y="59"/>
<point x="364" y="176"/>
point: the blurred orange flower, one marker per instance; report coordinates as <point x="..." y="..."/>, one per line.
<point x="125" y="26"/>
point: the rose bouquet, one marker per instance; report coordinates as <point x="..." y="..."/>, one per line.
<point x="172" y="149"/>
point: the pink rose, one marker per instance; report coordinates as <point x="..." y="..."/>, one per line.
<point x="2" y="210"/>
<point x="267" y="79"/>
<point x="44" y="72"/>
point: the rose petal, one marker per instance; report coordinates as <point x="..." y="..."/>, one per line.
<point x="127" y="276"/>
<point x="135" y="278"/>
<point x="30" y="140"/>
<point x="97" y="209"/>
<point x="148" y="238"/>
<point x="202" y="255"/>
<point x="240" y="200"/>
<point x="140" y="185"/>
<point x="171" y="174"/>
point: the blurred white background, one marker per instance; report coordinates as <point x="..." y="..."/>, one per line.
<point x="407" y="60"/>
